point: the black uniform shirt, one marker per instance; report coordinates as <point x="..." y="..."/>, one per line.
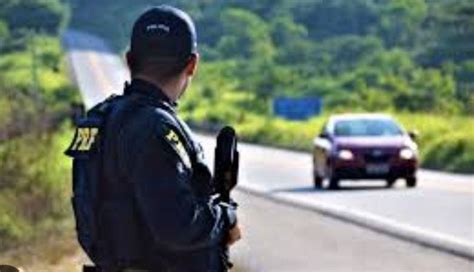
<point x="154" y="170"/>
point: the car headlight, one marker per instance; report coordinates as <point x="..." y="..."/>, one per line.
<point x="407" y="154"/>
<point x="345" y="154"/>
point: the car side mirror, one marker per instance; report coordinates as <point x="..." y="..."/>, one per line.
<point x="413" y="134"/>
<point x="324" y="135"/>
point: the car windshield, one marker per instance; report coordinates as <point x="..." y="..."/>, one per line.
<point x="367" y="127"/>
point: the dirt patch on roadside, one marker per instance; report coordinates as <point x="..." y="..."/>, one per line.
<point x="53" y="252"/>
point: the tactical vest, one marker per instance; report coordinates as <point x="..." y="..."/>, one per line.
<point x="87" y="151"/>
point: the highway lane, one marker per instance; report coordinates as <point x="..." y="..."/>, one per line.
<point x="441" y="206"/>
<point x="96" y="77"/>
<point x="442" y="203"/>
<point x="280" y="238"/>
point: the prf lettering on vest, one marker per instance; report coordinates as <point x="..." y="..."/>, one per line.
<point x="85" y="138"/>
<point x="173" y="138"/>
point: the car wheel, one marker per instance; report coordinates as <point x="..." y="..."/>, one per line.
<point x="411" y="182"/>
<point x="333" y="180"/>
<point x="333" y="183"/>
<point x="317" y="181"/>
<point x="391" y="182"/>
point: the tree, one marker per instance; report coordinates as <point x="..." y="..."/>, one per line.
<point x="325" y="19"/>
<point x="246" y="35"/>
<point x="452" y="33"/>
<point x="4" y="34"/>
<point x="291" y="41"/>
<point x="400" y="21"/>
<point x="345" y="53"/>
<point x="45" y="16"/>
<point x="465" y="79"/>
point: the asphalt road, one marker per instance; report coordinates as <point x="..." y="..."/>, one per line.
<point x="442" y="203"/>
<point x="281" y="238"/>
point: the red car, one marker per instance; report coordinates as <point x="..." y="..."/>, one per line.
<point x="364" y="146"/>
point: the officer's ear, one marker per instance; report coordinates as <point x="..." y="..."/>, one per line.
<point x="131" y="62"/>
<point x="192" y="65"/>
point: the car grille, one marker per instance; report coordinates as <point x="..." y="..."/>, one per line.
<point x="378" y="156"/>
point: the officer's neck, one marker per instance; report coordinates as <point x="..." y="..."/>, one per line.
<point x="172" y="88"/>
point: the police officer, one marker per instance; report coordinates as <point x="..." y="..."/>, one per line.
<point x="160" y="214"/>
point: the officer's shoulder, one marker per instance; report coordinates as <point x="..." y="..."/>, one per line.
<point x="122" y="106"/>
<point x="162" y="113"/>
<point x="106" y="106"/>
<point x="168" y="130"/>
<point x="162" y="119"/>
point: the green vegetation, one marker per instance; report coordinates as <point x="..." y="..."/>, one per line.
<point x="35" y="94"/>
<point x="410" y="58"/>
<point x="446" y="142"/>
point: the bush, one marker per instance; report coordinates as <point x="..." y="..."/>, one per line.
<point x="34" y="99"/>
<point x="279" y="132"/>
<point x="452" y="151"/>
<point x="34" y="185"/>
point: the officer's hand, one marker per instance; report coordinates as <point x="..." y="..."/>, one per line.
<point x="235" y="235"/>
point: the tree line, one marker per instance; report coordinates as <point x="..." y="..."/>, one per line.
<point x="411" y="58"/>
<point x="402" y="55"/>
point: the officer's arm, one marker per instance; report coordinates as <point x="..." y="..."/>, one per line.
<point x="177" y="218"/>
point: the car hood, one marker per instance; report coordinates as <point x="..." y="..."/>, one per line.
<point x="368" y="142"/>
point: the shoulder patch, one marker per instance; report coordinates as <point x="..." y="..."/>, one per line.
<point x="173" y="139"/>
<point x="84" y="141"/>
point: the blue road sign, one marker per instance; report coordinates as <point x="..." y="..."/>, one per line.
<point x="297" y="108"/>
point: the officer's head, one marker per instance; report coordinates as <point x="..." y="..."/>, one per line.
<point x="163" y="47"/>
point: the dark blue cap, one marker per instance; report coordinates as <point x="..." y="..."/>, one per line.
<point x="164" y="32"/>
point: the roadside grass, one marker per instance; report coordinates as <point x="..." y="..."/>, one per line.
<point x="446" y="142"/>
<point x="47" y="249"/>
